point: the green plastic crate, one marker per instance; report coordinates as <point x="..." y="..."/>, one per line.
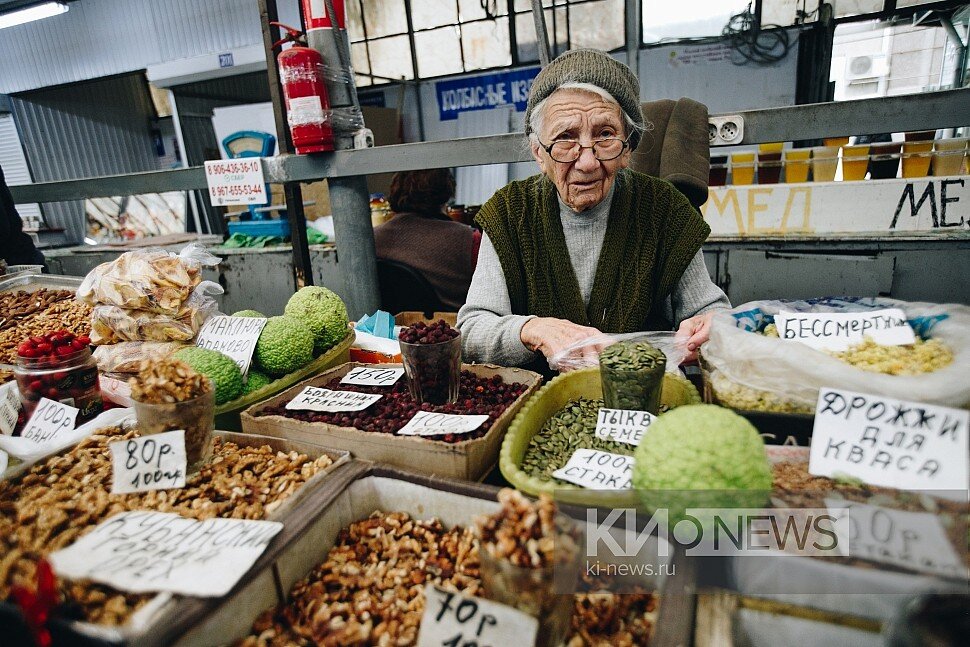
<point x="227" y="414"/>
<point x="585" y="383"/>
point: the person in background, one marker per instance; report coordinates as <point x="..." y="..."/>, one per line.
<point x="16" y="247"/>
<point x="421" y="236"/>
<point x="587" y="245"/>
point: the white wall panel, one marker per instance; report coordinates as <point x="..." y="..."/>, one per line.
<point x="13" y="162"/>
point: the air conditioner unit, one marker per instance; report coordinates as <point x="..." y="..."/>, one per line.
<point x="870" y="66"/>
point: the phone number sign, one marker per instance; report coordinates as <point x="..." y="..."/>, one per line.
<point x="236" y="182"/>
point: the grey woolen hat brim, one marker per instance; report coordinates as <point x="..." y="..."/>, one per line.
<point x="596" y="68"/>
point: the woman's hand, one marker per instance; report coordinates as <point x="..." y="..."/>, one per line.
<point x="550" y="336"/>
<point x="695" y="331"/>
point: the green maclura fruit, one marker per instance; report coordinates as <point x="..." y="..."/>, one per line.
<point x="323" y="312"/>
<point x="284" y="346"/>
<point x="219" y="368"/>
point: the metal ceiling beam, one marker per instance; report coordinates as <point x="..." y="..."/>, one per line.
<point x="934" y="110"/>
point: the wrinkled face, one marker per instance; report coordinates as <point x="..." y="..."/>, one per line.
<point x="585" y="116"/>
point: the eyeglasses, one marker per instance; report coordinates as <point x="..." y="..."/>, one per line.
<point x="569" y="150"/>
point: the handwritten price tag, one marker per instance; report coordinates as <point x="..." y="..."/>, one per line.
<point x="836" y="331"/>
<point x="155" y="462"/>
<point x="591" y="468"/>
<point x="623" y="426"/>
<point x="144" y="552"/>
<point x="232" y="336"/>
<point x="370" y="376"/>
<point x="455" y="620"/>
<point x="429" y="423"/>
<point x="316" y="399"/>
<point x="50" y="418"/>
<point x="236" y="182"/>
<point x="892" y="443"/>
<point x="9" y="408"/>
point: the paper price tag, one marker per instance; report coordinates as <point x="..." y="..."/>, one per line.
<point x="892" y="443"/>
<point x="371" y="376"/>
<point x="50" y="418"/>
<point x="591" y="468"/>
<point x="622" y="425"/>
<point x="232" y="336"/>
<point x="316" y="399"/>
<point x="836" y="331"/>
<point x="9" y="408"/>
<point x="455" y="620"/>
<point x="429" y="423"/>
<point x="155" y="462"/>
<point x="145" y="552"/>
<point x="913" y="540"/>
<point x="238" y="181"/>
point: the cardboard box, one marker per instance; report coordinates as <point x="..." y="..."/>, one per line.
<point x="469" y="459"/>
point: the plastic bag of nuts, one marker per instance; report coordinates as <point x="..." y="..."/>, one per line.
<point x="530" y="559"/>
<point x="169" y="396"/>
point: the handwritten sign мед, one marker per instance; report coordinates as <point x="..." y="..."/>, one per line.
<point x="836" y="331"/>
<point x="622" y="425"/>
<point x="314" y="398"/>
<point x="429" y="423"/>
<point x="913" y="540"/>
<point x="9" y="408"/>
<point x="591" y="468"/>
<point x="238" y="181"/>
<point x="889" y="442"/>
<point x="50" y="419"/>
<point x="155" y="462"/>
<point x="232" y="336"/>
<point x="453" y="619"/>
<point x="145" y="552"/>
<point x="372" y="376"/>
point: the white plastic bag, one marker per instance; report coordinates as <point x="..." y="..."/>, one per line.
<point x="747" y="370"/>
<point x="585" y="353"/>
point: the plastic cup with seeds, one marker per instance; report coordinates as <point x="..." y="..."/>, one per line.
<point x="170" y="396"/>
<point x="633" y="375"/>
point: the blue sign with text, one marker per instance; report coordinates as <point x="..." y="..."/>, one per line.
<point x="225" y="60"/>
<point x="484" y="92"/>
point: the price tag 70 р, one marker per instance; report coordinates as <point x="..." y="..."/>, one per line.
<point x="454" y="620"/>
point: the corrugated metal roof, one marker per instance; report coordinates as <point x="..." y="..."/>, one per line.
<point x="99" y="38"/>
<point x="88" y="129"/>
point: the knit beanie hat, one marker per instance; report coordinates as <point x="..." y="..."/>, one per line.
<point x="596" y="68"/>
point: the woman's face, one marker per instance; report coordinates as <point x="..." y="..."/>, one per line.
<point x="577" y="114"/>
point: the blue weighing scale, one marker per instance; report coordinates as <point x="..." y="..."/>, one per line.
<point x="254" y="143"/>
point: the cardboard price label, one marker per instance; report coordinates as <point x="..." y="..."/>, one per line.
<point x="316" y="399"/>
<point x="913" y="540"/>
<point x="155" y="462"/>
<point x="50" y="419"/>
<point x="232" y="336"/>
<point x="236" y="182"/>
<point x="429" y="423"/>
<point x="146" y="552"/>
<point x="455" y="620"/>
<point x="889" y="442"/>
<point x="591" y="468"/>
<point x="9" y="408"/>
<point x="622" y="425"/>
<point x="372" y="376"/>
<point x="836" y="331"/>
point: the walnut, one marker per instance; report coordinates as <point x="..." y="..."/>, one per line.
<point x="167" y="381"/>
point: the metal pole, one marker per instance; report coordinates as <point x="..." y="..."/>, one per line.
<point x="542" y="37"/>
<point x="349" y="198"/>
<point x="633" y="36"/>
<point x="183" y="155"/>
<point x="961" y="45"/>
<point x="302" y="265"/>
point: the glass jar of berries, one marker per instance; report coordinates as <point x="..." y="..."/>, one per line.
<point x="58" y="366"/>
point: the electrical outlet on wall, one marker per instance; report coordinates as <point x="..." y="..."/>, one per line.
<point x="725" y="130"/>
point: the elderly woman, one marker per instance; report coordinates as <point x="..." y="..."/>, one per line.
<point x="586" y="246"/>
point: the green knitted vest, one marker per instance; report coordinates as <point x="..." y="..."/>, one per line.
<point x="652" y="234"/>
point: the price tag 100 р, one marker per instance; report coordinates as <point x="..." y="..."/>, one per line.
<point x="155" y="462"/>
<point x="50" y="419"/>
<point x="429" y="423"/>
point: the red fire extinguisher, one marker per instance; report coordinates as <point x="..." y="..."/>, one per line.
<point x="307" y="105"/>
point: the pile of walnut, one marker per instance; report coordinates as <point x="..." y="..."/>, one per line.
<point x="24" y="314"/>
<point x="370" y="588"/>
<point x="63" y="498"/>
<point x="521" y="532"/>
<point x="167" y="381"/>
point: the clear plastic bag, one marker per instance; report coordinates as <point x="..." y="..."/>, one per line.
<point x="585" y="353"/>
<point x="150" y="279"/>
<point x="111" y="324"/>
<point x="751" y="371"/>
<point x="127" y="357"/>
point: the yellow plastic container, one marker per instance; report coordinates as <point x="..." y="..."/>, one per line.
<point x="836" y="141"/>
<point x="825" y="161"/>
<point x="742" y="168"/>
<point x="773" y="147"/>
<point x="855" y="162"/>
<point x="916" y="158"/>
<point x="797" y="163"/>
<point x="948" y="156"/>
